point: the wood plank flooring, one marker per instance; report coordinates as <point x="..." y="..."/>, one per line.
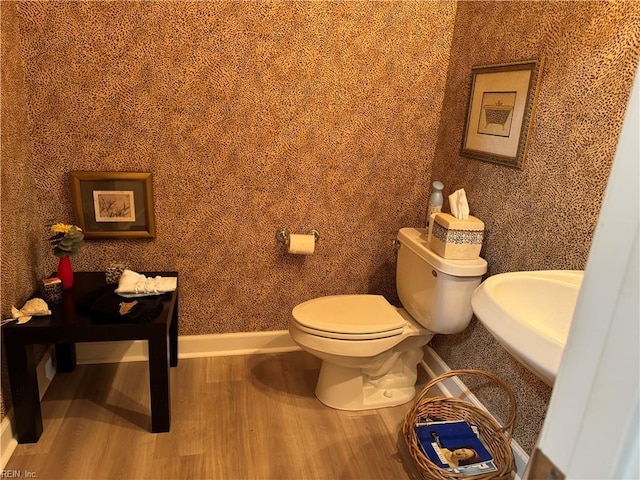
<point x="240" y="417"/>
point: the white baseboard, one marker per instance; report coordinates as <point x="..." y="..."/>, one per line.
<point x="190" y="346"/>
<point x="454" y="387"/>
<point x="45" y="372"/>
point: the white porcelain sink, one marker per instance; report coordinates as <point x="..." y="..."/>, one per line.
<point x="529" y="314"/>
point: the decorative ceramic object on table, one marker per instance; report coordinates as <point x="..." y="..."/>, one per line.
<point x="51" y="290"/>
<point x="65" y="272"/>
<point x="66" y="241"/>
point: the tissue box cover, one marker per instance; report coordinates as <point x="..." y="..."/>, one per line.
<point x="457" y="239"/>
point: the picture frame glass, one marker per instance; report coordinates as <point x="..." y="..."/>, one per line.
<point x="114" y="204"/>
<point x="501" y="105"/>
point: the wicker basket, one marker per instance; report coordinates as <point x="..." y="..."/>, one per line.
<point x="497" y="438"/>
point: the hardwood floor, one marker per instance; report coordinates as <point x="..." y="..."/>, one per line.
<point x="240" y="417"/>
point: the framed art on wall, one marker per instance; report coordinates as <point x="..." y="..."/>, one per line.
<point x="501" y="107"/>
<point x="114" y="204"/>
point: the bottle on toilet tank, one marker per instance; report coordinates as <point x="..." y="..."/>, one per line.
<point x="435" y="201"/>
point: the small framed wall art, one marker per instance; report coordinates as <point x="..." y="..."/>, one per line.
<point x="501" y="107"/>
<point x="114" y="204"/>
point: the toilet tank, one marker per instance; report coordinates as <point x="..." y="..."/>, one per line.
<point x="435" y="291"/>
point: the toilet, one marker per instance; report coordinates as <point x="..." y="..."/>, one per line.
<point x="369" y="348"/>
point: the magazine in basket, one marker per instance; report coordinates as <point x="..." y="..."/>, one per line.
<point x="455" y="446"/>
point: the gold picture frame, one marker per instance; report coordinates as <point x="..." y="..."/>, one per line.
<point x="114" y="204"/>
<point x="501" y="107"/>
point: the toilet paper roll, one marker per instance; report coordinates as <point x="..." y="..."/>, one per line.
<point x="302" y="244"/>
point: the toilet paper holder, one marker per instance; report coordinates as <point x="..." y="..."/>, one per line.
<point x="282" y="235"/>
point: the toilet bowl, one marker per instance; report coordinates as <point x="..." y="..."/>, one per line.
<point x="369" y="348"/>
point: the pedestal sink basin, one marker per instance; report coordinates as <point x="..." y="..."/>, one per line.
<point x="529" y="314"/>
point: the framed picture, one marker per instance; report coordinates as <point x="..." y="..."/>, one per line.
<point x="501" y="106"/>
<point x="114" y="204"/>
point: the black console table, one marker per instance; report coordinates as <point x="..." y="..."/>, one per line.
<point x="66" y="326"/>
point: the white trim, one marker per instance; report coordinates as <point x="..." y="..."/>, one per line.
<point x="454" y="387"/>
<point x="8" y="441"/>
<point x="190" y="346"/>
<point x="45" y="371"/>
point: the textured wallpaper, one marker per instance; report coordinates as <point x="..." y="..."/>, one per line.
<point x="251" y="116"/>
<point x="21" y="242"/>
<point x="544" y="216"/>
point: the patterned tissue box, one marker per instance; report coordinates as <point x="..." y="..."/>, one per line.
<point x="114" y="271"/>
<point x="457" y="239"/>
<point x="51" y="290"/>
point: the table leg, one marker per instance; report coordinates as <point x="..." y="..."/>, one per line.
<point x="173" y="336"/>
<point x="65" y="357"/>
<point x="24" y="391"/>
<point x="159" y="381"/>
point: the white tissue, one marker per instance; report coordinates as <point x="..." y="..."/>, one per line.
<point x="459" y="205"/>
<point x="132" y="284"/>
<point x="302" y="244"/>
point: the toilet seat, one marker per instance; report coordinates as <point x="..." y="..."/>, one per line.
<point x="349" y="317"/>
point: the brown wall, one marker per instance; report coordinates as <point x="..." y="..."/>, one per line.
<point x="21" y="232"/>
<point x="544" y="216"/>
<point x="323" y="115"/>
<point x="251" y="116"/>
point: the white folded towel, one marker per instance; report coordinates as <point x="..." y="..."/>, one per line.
<point x="134" y="284"/>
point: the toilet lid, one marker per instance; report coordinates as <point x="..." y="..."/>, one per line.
<point x="350" y="315"/>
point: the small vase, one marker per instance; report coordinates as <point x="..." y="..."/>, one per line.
<point x="65" y="272"/>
